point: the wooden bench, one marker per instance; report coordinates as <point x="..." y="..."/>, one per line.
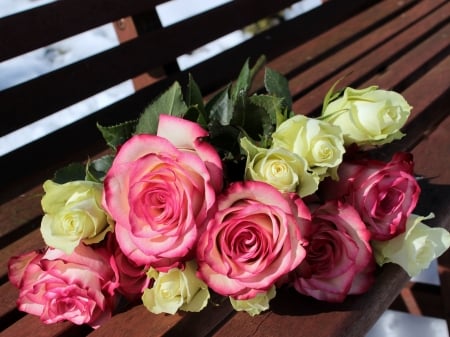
<point x="398" y="45"/>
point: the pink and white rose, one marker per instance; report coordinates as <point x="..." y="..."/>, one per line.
<point x="132" y="279"/>
<point x="79" y="287"/>
<point x="384" y="194"/>
<point x="253" y="240"/>
<point x="339" y="259"/>
<point x="161" y="190"/>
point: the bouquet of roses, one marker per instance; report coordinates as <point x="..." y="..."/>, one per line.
<point x="236" y="196"/>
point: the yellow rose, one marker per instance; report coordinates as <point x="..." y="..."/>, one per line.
<point x="255" y="305"/>
<point x="414" y="249"/>
<point x="279" y="167"/>
<point x="368" y="116"/>
<point x="73" y="213"/>
<point x="176" y="289"/>
<point x="319" y="143"/>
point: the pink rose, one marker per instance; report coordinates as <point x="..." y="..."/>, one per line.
<point x="57" y="287"/>
<point x="132" y="278"/>
<point x="254" y="239"/>
<point x="384" y="194"/>
<point x="339" y="258"/>
<point x="161" y="190"/>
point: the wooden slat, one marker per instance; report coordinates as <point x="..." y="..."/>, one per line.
<point x="139" y="322"/>
<point x="59" y="20"/>
<point x="19" y="211"/>
<point x="31" y="326"/>
<point x="8" y="299"/>
<point x="429" y="107"/>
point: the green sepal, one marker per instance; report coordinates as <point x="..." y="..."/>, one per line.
<point x="194" y="98"/>
<point x="171" y="102"/>
<point x="220" y="109"/>
<point x="331" y="95"/>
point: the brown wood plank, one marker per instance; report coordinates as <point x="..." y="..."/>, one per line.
<point x="20" y="211"/>
<point x="31" y="326"/>
<point x="139" y="322"/>
<point x="8" y="299"/>
<point x="144" y="323"/>
<point x="373" y="51"/>
<point x="59" y="20"/>
<point x="430" y="107"/>
<point x="25" y="244"/>
<point x="409" y="63"/>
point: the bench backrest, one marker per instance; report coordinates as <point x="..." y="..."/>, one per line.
<point x="154" y="47"/>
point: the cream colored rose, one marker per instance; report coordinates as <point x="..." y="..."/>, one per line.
<point x="255" y="305"/>
<point x="73" y="213"/>
<point x="279" y="167"/>
<point x="319" y="143"/>
<point x="368" y="116"/>
<point x="176" y="289"/>
<point x="414" y="249"/>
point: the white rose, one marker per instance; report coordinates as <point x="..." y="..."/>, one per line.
<point x="319" y="143"/>
<point x="414" y="249"/>
<point x="368" y="116"/>
<point x="255" y="305"/>
<point x="279" y="167"/>
<point x="73" y="213"/>
<point x="176" y="289"/>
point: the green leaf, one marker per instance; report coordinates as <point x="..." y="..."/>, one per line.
<point x="117" y="135"/>
<point x="276" y="84"/>
<point x="97" y="169"/>
<point x="194" y="97"/>
<point x="253" y="117"/>
<point x="245" y="79"/>
<point x="220" y="108"/>
<point x="242" y="84"/>
<point x="330" y="95"/>
<point x="272" y="105"/>
<point x="72" y="172"/>
<point x="170" y="103"/>
<point x="257" y="67"/>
